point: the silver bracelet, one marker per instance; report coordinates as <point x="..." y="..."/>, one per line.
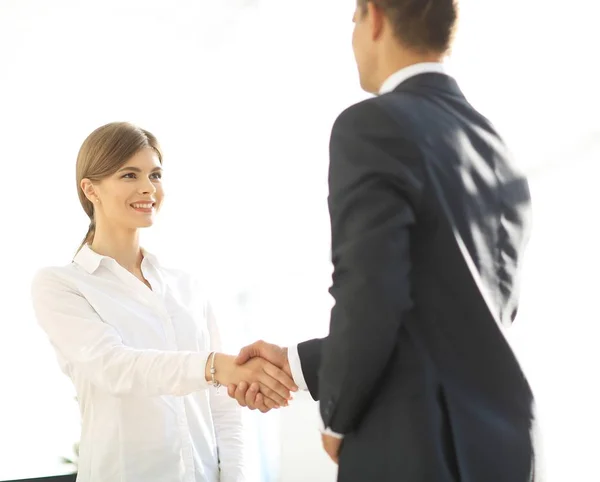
<point x="215" y="383"/>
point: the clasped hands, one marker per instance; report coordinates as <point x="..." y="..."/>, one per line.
<point x="266" y="383"/>
<point x="260" y="378"/>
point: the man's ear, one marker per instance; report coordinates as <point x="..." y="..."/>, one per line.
<point x="376" y="19"/>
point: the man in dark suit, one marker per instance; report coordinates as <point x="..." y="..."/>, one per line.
<point x="429" y="222"/>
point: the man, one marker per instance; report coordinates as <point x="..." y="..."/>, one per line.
<point x="429" y="221"/>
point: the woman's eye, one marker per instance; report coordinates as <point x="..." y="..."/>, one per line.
<point x="132" y="175"/>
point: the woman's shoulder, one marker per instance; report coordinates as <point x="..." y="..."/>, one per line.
<point x="55" y="279"/>
<point x="189" y="284"/>
<point x="57" y="270"/>
<point x="177" y="275"/>
<point x="48" y="273"/>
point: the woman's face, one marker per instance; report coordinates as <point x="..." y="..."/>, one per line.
<point x="132" y="196"/>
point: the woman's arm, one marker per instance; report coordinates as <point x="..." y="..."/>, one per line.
<point x="84" y="340"/>
<point x="227" y="418"/>
<point x="80" y="336"/>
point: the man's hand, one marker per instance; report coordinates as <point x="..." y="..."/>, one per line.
<point x="277" y="355"/>
<point x="248" y="395"/>
<point x="332" y="446"/>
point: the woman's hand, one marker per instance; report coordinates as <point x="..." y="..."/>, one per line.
<point x="248" y="395"/>
<point x="274" y="384"/>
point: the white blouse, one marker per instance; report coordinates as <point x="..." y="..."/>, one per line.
<point x="137" y="359"/>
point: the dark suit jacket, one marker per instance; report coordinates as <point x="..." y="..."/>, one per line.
<point x="429" y="221"/>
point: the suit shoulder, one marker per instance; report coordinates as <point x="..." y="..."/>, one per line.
<point x="372" y="113"/>
<point x="365" y="112"/>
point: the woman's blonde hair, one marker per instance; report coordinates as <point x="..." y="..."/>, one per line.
<point x="103" y="153"/>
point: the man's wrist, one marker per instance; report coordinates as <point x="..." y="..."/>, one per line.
<point x="286" y="364"/>
<point x="327" y="431"/>
<point x="295" y="367"/>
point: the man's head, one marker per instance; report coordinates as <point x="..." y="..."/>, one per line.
<point x="391" y="34"/>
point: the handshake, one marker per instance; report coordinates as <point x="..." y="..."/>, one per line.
<point x="258" y="378"/>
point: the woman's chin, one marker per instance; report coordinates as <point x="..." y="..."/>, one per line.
<point x="143" y="223"/>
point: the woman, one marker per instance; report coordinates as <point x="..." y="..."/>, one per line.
<point x="137" y="339"/>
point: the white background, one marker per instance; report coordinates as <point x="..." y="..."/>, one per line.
<point x="242" y="95"/>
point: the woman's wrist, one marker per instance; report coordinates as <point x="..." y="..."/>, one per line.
<point x="223" y="365"/>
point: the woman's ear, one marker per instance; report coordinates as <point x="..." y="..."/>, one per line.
<point x="88" y="189"/>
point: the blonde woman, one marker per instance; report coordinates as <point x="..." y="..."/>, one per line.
<point x="137" y="339"/>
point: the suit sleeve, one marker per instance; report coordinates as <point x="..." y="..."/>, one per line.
<point x="309" y="353"/>
<point x="374" y="188"/>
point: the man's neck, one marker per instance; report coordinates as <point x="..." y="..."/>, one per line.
<point x="401" y="60"/>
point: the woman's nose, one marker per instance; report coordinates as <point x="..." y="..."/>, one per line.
<point x="147" y="187"/>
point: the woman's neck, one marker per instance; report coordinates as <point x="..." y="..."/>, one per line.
<point x="121" y="245"/>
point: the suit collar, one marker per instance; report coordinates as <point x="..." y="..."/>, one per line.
<point x="402" y="75"/>
<point x="430" y="81"/>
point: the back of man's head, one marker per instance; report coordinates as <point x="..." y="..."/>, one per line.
<point x="424" y="26"/>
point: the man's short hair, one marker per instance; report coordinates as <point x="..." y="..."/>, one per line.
<point x="426" y="26"/>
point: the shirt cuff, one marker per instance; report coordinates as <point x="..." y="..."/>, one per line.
<point x="296" y="367"/>
<point x="196" y="372"/>
<point x="327" y="431"/>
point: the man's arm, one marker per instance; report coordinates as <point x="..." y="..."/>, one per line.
<point x="374" y="190"/>
<point x="309" y="354"/>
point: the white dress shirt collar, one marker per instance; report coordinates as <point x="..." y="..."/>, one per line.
<point x="89" y="260"/>
<point x="401" y="75"/>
